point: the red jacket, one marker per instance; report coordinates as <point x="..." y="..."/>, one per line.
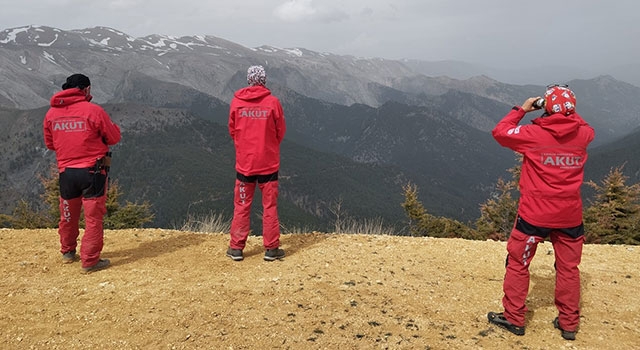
<point x="77" y="130"/>
<point x="257" y="127"/>
<point x="555" y="151"/>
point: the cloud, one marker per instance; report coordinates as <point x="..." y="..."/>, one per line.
<point x="121" y="4"/>
<point x="295" y="10"/>
<point x="305" y="10"/>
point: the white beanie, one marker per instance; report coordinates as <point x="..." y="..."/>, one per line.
<point x="256" y="76"/>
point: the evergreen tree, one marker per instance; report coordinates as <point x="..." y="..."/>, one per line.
<point x="498" y="213"/>
<point x="614" y="215"/>
<point x="5" y="220"/>
<point x="131" y="215"/>
<point x="414" y="209"/>
<point x="51" y="197"/>
<point x="421" y="223"/>
<point x="24" y="216"/>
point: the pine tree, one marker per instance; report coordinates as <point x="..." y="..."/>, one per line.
<point x="24" y="216"/>
<point x="414" y="209"/>
<point x="498" y="213"/>
<point x="5" y="220"/>
<point x="51" y="197"/>
<point x="131" y="215"/>
<point x="421" y="223"/>
<point x="614" y="215"/>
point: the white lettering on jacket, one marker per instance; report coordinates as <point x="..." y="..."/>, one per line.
<point x="564" y="161"/>
<point x="69" y="126"/>
<point x="254" y="113"/>
<point x="515" y="130"/>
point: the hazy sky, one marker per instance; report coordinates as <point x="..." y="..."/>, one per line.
<point x="500" y="33"/>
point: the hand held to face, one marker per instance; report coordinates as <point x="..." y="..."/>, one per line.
<point x="527" y="106"/>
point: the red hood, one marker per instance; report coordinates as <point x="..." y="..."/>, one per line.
<point x="252" y="93"/>
<point x="560" y="125"/>
<point x="68" y="97"/>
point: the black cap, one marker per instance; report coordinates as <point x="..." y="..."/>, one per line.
<point x="77" y="80"/>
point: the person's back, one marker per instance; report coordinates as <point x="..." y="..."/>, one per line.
<point x="257" y="127"/>
<point x="80" y="133"/>
<point x="554" y="149"/>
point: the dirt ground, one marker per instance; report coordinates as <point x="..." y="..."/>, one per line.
<point x="177" y="290"/>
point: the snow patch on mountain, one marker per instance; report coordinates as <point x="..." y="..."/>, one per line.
<point x="11" y="34"/>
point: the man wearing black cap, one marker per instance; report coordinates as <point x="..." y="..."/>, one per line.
<point x="80" y="132"/>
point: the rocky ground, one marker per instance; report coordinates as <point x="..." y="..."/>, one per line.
<point x="177" y="290"/>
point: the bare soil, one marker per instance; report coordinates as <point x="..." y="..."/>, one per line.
<point x="177" y="290"/>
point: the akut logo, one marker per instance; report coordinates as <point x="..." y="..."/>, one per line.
<point x="561" y="160"/>
<point x="69" y="125"/>
<point x="254" y="113"/>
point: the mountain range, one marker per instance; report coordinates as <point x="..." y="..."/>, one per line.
<point x="358" y="129"/>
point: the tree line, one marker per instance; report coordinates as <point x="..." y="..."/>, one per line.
<point x="119" y="216"/>
<point x="611" y="217"/>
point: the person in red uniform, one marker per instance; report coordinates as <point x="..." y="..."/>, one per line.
<point x="80" y="133"/>
<point x="257" y="127"/>
<point x="554" y="149"/>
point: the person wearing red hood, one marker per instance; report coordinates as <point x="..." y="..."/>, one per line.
<point x="80" y="132"/>
<point x="554" y="149"/>
<point x="257" y="127"/>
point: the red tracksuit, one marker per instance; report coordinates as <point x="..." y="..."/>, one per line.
<point x="257" y="127"/>
<point x="80" y="132"/>
<point x="554" y="150"/>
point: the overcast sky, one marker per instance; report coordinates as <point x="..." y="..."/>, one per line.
<point x="499" y="33"/>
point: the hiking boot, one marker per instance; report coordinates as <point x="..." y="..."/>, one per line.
<point x="69" y="257"/>
<point x="273" y="254"/>
<point x="499" y="320"/>
<point x="102" y="264"/>
<point x="235" y="254"/>
<point x="566" y="335"/>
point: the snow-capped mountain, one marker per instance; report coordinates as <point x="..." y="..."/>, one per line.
<point x="43" y="56"/>
<point x="35" y="60"/>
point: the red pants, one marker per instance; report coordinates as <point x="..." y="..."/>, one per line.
<point x="68" y="229"/>
<point x="81" y="188"/>
<point x="521" y="249"/>
<point x="240" y="225"/>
